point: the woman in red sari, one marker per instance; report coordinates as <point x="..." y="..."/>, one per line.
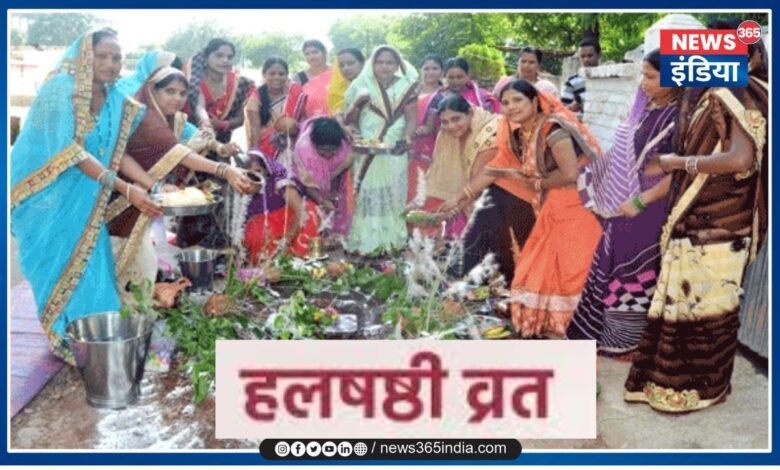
<point x="422" y="148"/>
<point x="217" y="92"/>
<point x="274" y="110"/>
<point x="316" y="79"/>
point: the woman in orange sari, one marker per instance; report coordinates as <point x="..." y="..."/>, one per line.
<point x="554" y="263"/>
<point x="316" y="79"/>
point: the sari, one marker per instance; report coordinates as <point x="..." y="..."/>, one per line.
<point x="554" y="263"/>
<point x="614" y="303"/>
<point x="156" y="146"/>
<point x="148" y="63"/>
<point x="268" y="216"/>
<point x="69" y="264"/>
<point x="316" y="90"/>
<point x="427" y="109"/>
<point x="316" y="172"/>
<point x="716" y="226"/>
<point x="336" y="90"/>
<point x="452" y="162"/>
<point x="228" y="106"/>
<point x="270" y="141"/>
<point x="380" y="180"/>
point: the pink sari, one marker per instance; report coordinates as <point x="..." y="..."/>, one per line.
<point x="316" y="172"/>
<point x="422" y="150"/>
<point x="316" y="90"/>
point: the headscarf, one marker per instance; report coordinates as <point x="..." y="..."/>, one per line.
<point x="68" y="262"/>
<point x="147" y="64"/>
<point x="367" y="83"/>
<point x="452" y="163"/>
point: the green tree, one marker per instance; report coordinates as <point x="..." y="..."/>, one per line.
<point x="362" y="31"/>
<point x="486" y="63"/>
<point x="57" y="29"/>
<point x="444" y="33"/>
<point x="256" y="49"/>
<point x="17" y="37"/>
<point x="193" y="37"/>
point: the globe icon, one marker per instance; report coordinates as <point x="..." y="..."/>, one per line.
<point x="361" y="449"/>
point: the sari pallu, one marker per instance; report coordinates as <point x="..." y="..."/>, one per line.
<point x="316" y="90"/>
<point x="270" y="141"/>
<point x="69" y="265"/>
<point x="155" y="146"/>
<point x="553" y="265"/>
<point x="316" y="172"/>
<point x="686" y="355"/>
<point x="452" y="163"/>
<point x="148" y="63"/>
<point x="621" y="283"/>
<point x="380" y="180"/>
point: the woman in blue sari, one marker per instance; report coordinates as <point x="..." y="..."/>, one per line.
<point x="63" y="170"/>
<point x="148" y="63"/>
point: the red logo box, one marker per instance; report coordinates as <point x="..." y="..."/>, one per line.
<point x="701" y="42"/>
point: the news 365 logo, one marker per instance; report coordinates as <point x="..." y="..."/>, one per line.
<point x="707" y="58"/>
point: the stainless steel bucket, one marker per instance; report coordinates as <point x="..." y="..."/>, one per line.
<point x="198" y="265"/>
<point x="110" y="352"/>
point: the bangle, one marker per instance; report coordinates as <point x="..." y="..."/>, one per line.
<point x="109" y="179"/>
<point x="469" y="192"/>
<point x="538" y="184"/>
<point x="637" y="201"/>
<point x="102" y="176"/>
<point x="692" y="165"/>
<point x="129" y="186"/>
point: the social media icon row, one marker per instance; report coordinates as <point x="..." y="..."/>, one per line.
<point x="315" y="449"/>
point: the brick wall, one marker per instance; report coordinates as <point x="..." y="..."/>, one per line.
<point x="609" y="93"/>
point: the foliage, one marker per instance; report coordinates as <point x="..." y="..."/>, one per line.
<point x="193" y="37"/>
<point x="364" y="32"/>
<point x="144" y="304"/>
<point x="56" y="29"/>
<point x="486" y="63"/>
<point x="299" y="319"/>
<point x="381" y="285"/>
<point x="257" y="48"/>
<point x="18" y="37"/>
<point x="196" y="337"/>
<point x="419" y="34"/>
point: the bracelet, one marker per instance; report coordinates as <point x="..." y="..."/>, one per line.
<point x="692" y="165"/>
<point x="637" y="201"/>
<point x="469" y="192"/>
<point x="538" y="184"/>
<point x="107" y="179"/>
<point x="129" y="186"/>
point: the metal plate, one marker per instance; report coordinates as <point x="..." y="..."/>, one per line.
<point x="183" y="211"/>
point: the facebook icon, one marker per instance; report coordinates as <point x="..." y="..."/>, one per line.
<point x="298" y="448"/>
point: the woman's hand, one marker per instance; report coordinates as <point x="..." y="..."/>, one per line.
<point x="286" y="125"/>
<point x="238" y="179"/>
<point x="352" y="132"/>
<point x="141" y="201"/>
<point x="421" y="131"/>
<point x="169" y="188"/>
<point x="629" y="209"/>
<point x="671" y="162"/>
<point x="328" y="206"/>
<point x="229" y="149"/>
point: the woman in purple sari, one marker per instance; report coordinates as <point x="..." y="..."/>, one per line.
<point x="631" y="193"/>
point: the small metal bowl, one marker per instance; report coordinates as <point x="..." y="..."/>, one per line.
<point x="184" y="211"/>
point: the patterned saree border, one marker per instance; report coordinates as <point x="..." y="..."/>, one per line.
<point x="74" y="269"/>
<point x="43" y="177"/>
<point x="159" y="170"/>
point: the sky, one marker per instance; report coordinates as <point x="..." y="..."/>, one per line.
<point x="138" y="27"/>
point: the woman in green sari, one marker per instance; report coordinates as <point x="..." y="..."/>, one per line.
<point x="381" y="107"/>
